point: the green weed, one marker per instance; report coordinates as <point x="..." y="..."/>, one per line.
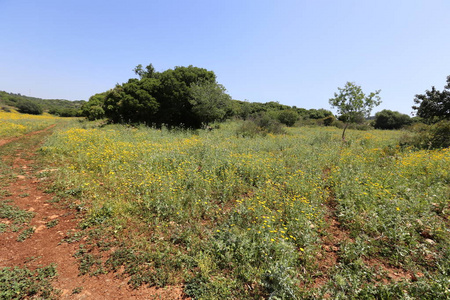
<point x="14" y="214"/>
<point x="27" y="233"/>
<point x="22" y="283"/>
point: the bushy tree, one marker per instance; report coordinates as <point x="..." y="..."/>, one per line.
<point x="65" y="112"/>
<point x="434" y="105"/>
<point x="388" y="119"/>
<point x="133" y="102"/>
<point x="175" y="95"/>
<point x="428" y="136"/>
<point x="93" y="109"/>
<point x="28" y="107"/>
<point x="351" y="103"/>
<point x="288" y="117"/>
<point x="183" y="96"/>
<point x="328" y="121"/>
<point x="318" y="113"/>
<point x="209" y="100"/>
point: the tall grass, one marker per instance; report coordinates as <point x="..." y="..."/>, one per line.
<point x="240" y="217"/>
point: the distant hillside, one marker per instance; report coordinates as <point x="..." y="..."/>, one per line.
<point x="60" y="107"/>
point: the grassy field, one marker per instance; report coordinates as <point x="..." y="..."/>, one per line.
<point x="14" y="124"/>
<point x="293" y="216"/>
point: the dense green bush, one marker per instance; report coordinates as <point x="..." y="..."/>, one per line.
<point x="434" y="105"/>
<point x="288" y="117"/>
<point x="428" y="136"/>
<point x="260" y="125"/>
<point x="180" y="97"/>
<point x="93" y="109"/>
<point x="65" y="112"/>
<point x="28" y="107"/>
<point x="317" y="113"/>
<point x="328" y="121"/>
<point x="388" y="119"/>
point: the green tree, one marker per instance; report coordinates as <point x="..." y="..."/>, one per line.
<point x="93" y="109"/>
<point x="29" y="107"/>
<point x="388" y="119"/>
<point x="318" y="113"/>
<point x="241" y="109"/>
<point x="434" y="105"/>
<point x="288" y="117"/>
<point x="149" y="71"/>
<point x="351" y="102"/>
<point x="175" y="95"/>
<point x="133" y="102"/>
<point x="209" y="101"/>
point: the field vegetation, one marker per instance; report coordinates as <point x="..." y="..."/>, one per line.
<point x="295" y="215"/>
<point x="275" y="202"/>
<point x="14" y="124"/>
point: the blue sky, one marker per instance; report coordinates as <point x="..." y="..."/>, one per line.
<point x="294" y="52"/>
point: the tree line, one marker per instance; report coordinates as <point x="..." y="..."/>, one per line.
<point x="191" y="97"/>
<point x="36" y="106"/>
<point x="188" y="97"/>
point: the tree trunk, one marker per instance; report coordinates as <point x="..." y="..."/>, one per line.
<point x="343" y="132"/>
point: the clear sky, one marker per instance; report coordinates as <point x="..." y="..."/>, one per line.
<point x="294" y="52"/>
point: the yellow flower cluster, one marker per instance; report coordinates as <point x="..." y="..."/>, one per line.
<point x="13" y="124"/>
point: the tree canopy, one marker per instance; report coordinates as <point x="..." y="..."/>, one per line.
<point x="209" y="101"/>
<point x="434" y="105"/>
<point x="351" y="103"/>
<point x="183" y="96"/>
<point x="388" y="119"/>
<point x="93" y="109"/>
<point x="29" y="107"/>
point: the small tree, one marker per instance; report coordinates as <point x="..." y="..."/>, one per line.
<point x="351" y="102"/>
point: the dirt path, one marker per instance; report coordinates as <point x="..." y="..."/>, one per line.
<point x="44" y="246"/>
<point x="335" y="235"/>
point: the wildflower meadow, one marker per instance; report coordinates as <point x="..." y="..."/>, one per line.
<point x="292" y="216"/>
<point x="14" y="124"/>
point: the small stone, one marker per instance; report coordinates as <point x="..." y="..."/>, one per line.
<point x="40" y="228"/>
<point x="430" y="241"/>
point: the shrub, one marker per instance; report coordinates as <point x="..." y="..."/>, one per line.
<point x="64" y="112"/>
<point x="356" y="126"/>
<point x="260" y="125"/>
<point x="387" y="119"/>
<point x="288" y="117"/>
<point x="328" y="121"/>
<point x="28" y="107"/>
<point x="428" y="136"/>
